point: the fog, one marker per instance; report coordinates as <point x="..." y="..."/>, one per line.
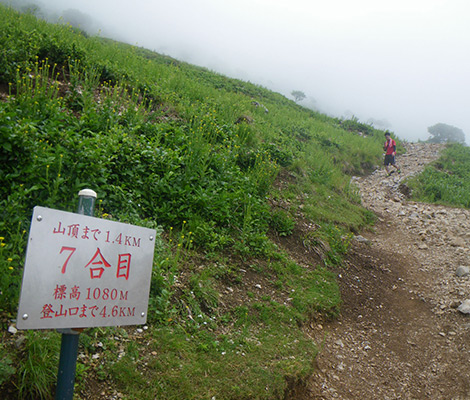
<point x="406" y="62"/>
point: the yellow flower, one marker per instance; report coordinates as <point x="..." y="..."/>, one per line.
<point x="10" y="267"/>
<point x="10" y="259"/>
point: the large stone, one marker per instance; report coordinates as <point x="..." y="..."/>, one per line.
<point x="458" y="242"/>
<point x="462" y="271"/>
<point x="464" y="308"/>
<point x="362" y="239"/>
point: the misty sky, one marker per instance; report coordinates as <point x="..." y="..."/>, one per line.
<point x="404" y="61"/>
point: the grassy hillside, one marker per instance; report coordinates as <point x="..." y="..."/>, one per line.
<point x="446" y="181"/>
<point x="249" y="192"/>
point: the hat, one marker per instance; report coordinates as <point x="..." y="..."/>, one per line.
<point x="387" y="133"/>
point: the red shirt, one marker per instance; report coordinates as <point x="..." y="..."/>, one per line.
<point x="390" y="146"/>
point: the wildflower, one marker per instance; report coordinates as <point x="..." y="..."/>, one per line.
<point x="10" y="268"/>
<point x="10" y="259"/>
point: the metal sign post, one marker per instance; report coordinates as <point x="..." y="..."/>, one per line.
<point x="70" y="337"/>
<point x="82" y="272"/>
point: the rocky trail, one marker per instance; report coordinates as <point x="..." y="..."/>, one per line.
<point x="403" y="332"/>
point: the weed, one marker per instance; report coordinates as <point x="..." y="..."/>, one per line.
<point x="7" y="370"/>
<point x="282" y="223"/>
<point x="203" y="291"/>
<point x="38" y="373"/>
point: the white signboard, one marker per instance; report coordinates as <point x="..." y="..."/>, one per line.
<point x="82" y="271"/>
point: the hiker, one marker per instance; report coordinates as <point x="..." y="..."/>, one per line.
<point x="390" y="148"/>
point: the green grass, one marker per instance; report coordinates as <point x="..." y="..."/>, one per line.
<point x="38" y="371"/>
<point x="200" y="365"/>
<point x="188" y="152"/>
<point x="446" y="181"/>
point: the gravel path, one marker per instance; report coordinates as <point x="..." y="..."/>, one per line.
<point x="401" y="334"/>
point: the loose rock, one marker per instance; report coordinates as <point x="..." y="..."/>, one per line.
<point x="464" y="308"/>
<point x="462" y="271"/>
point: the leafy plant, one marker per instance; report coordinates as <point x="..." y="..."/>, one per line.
<point x="282" y="223"/>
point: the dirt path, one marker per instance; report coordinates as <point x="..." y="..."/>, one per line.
<point x="400" y="335"/>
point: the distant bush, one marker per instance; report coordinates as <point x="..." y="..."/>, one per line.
<point x="443" y="133"/>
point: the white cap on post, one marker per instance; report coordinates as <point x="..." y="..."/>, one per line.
<point x="87" y="193"/>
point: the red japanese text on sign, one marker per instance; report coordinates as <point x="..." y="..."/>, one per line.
<point x="78" y="231"/>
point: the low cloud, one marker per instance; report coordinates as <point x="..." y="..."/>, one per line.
<point x="404" y="62"/>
